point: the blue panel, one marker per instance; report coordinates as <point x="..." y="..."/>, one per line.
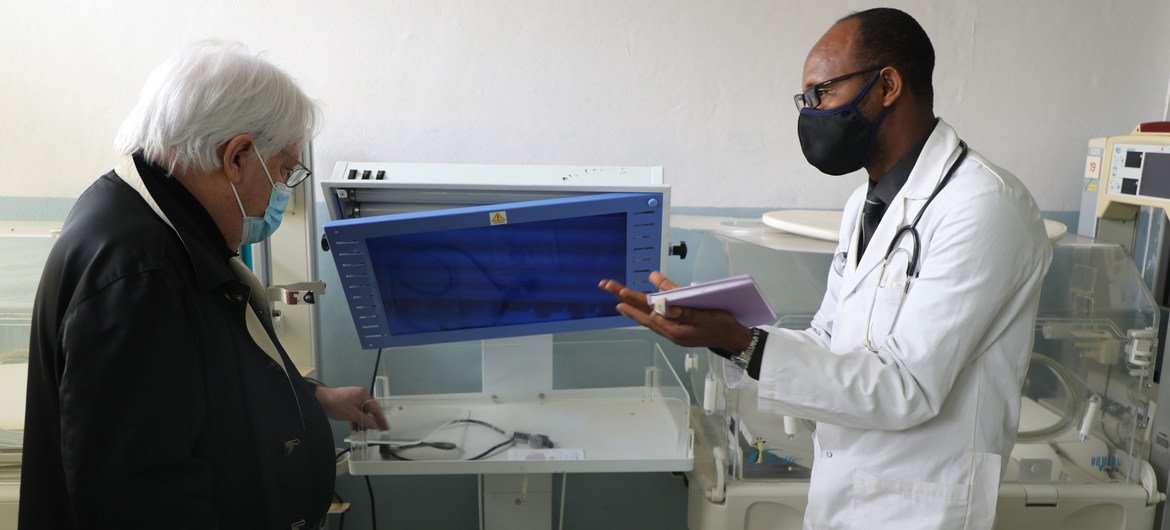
<point x="495" y="271"/>
<point x="499" y="275"/>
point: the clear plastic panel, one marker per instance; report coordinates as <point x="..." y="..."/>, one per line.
<point x="792" y="277"/>
<point x="22" y="258"/>
<point x="759" y="445"/>
<point x="611" y="406"/>
<point x="1087" y="393"/>
<point x="24" y="248"/>
<point x="767" y="446"/>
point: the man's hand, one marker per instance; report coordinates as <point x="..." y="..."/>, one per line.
<point x="685" y="326"/>
<point x="353" y="404"/>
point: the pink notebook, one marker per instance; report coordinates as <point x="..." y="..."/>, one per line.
<point x="738" y="295"/>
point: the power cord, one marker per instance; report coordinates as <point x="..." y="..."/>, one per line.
<point x="391" y="451"/>
<point x="370" y="487"/>
<point x="536" y="441"/>
<point x="373" y="507"/>
<point x="564" y="489"/>
<point x="377" y="361"/>
<point x="341" y="523"/>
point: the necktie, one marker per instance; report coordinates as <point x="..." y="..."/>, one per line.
<point x="871" y="215"/>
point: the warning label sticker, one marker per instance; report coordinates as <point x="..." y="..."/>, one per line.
<point x="499" y="218"/>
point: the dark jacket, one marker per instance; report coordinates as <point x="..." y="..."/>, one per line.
<point x="149" y="404"/>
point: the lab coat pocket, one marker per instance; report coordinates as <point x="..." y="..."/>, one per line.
<point x="893" y="280"/>
<point x="886" y="503"/>
<point x="887" y="300"/>
<point x="984" y="491"/>
<point x="890" y="296"/>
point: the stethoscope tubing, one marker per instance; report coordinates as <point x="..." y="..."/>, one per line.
<point x="912" y="265"/>
<point x="912" y="228"/>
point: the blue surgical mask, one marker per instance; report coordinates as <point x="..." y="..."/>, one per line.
<point x="257" y="229"/>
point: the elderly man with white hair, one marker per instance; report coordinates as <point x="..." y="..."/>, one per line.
<point x="158" y="394"/>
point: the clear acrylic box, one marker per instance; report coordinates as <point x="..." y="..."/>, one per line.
<point x="24" y="247"/>
<point x="1085" y="412"/>
<point x="606" y="406"/>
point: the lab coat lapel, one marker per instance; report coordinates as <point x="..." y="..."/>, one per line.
<point x="940" y="150"/>
<point x="850" y="261"/>
<point x="875" y="252"/>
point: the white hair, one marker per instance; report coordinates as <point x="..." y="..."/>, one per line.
<point x="208" y="93"/>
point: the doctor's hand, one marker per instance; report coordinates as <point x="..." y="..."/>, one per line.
<point x="353" y="404"/>
<point x="684" y="326"/>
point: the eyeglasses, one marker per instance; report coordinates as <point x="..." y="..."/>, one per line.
<point x="297" y="173"/>
<point x="811" y="97"/>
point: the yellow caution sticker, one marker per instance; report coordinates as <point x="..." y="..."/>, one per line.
<point x="1091" y="187"/>
<point x="499" y="218"/>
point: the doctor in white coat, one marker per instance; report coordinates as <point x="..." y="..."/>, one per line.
<point x="913" y="366"/>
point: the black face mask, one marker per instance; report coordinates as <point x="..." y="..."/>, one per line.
<point x="838" y="141"/>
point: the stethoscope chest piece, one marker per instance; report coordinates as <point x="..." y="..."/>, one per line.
<point x="839" y="260"/>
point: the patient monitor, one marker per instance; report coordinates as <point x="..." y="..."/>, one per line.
<point x="1122" y="174"/>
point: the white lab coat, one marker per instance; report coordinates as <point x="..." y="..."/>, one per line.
<point x="918" y="434"/>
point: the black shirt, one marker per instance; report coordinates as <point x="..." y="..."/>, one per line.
<point x="887" y="186"/>
<point x="891" y="183"/>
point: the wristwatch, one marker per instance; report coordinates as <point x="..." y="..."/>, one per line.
<point x="744" y="358"/>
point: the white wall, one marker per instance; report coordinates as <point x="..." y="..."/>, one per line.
<point x="702" y="88"/>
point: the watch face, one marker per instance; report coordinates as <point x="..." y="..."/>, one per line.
<point x="745" y="357"/>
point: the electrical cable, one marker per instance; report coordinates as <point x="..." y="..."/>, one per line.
<point x="391" y="451"/>
<point x="479" y="489"/>
<point x="336" y="459"/>
<point x="564" y="484"/>
<point x="341" y="523"/>
<point x="373" y="507"/>
<point x="533" y="440"/>
<point x="493" y="449"/>
<point x="374" y="377"/>
<point x="480" y="422"/>
<point x="370" y="487"/>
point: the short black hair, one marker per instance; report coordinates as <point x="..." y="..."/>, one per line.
<point x="891" y="37"/>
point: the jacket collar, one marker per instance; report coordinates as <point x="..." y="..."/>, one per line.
<point x="210" y="271"/>
<point x="941" y="149"/>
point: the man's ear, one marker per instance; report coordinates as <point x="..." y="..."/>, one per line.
<point x="234" y="153"/>
<point x="891" y="84"/>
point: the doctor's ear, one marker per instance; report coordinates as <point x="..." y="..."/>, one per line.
<point x="234" y="153"/>
<point x="891" y="83"/>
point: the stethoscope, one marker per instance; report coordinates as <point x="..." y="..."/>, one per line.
<point x="911" y="231"/>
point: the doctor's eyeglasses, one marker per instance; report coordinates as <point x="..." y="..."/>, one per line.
<point x="811" y="97"/>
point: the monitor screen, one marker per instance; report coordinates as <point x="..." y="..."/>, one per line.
<point x="497" y="270"/>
